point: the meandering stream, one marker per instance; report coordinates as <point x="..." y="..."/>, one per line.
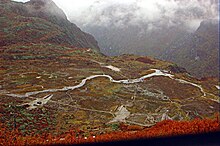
<point x="122" y="113"/>
<point x="125" y="81"/>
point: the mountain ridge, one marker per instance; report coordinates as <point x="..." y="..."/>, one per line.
<point x="198" y="51"/>
<point x="65" y="32"/>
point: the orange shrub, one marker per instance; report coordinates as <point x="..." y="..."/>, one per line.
<point x="164" y="128"/>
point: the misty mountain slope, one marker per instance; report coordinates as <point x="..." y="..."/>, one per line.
<point x="135" y="40"/>
<point x="41" y="21"/>
<point x="197" y="52"/>
<point x="118" y="32"/>
<point x="149" y="28"/>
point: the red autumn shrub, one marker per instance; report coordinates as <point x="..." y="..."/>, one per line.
<point x="145" y="60"/>
<point x="164" y="128"/>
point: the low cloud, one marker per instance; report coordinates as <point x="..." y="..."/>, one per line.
<point x="154" y="13"/>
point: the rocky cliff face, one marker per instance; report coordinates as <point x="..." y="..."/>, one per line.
<point x="41" y="16"/>
<point x="197" y="52"/>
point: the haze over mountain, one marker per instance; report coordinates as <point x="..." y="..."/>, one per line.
<point x="198" y="52"/>
<point x="150" y="27"/>
<point x="136" y="12"/>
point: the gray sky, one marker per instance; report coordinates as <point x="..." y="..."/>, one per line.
<point x="104" y="12"/>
